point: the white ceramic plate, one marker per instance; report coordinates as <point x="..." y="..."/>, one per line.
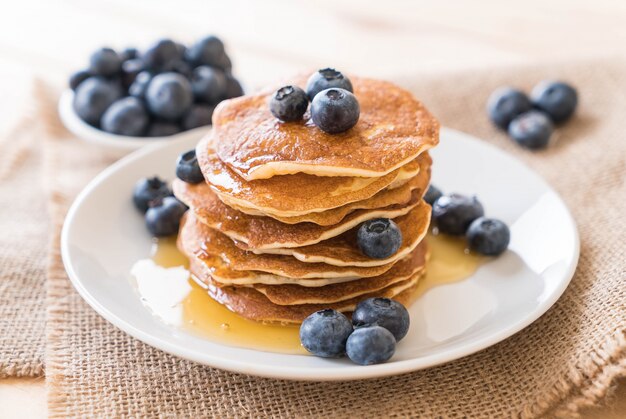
<point x="103" y="236"/>
<point x="122" y="142"/>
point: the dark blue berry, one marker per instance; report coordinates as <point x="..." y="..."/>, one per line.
<point x="325" y="79"/>
<point x="78" y="77"/>
<point x="383" y="312"/>
<point x="454" y="213"/>
<point x="159" y="55"/>
<point x="505" y="104"/>
<point x="370" y="345"/>
<point x="105" y="62"/>
<point x="139" y="86"/>
<point x="379" y="238"/>
<point x="163" y="216"/>
<point x="207" y="51"/>
<point x="147" y="190"/>
<point x="335" y="110"/>
<point x="129" y="53"/>
<point x="187" y="167"/>
<point x="289" y="103"/>
<point x="126" y="116"/>
<point x="130" y="70"/>
<point x="233" y="88"/>
<point x="432" y="194"/>
<point x="531" y="129"/>
<point x="325" y="332"/>
<point x="169" y="96"/>
<point x="557" y="99"/>
<point x="162" y="129"/>
<point x="198" y="116"/>
<point x="224" y="63"/>
<point x="488" y="236"/>
<point x="93" y="97"/>
<point x="208" y="84"/>
<point x="180" y="67"/>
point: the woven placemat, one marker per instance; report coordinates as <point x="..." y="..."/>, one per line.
<point x="562" y="362"/>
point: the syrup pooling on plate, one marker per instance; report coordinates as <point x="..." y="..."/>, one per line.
<point x="166" y="289"/>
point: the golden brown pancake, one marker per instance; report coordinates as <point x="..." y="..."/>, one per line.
<point x="291" y="195"/>
<point x="393" y="129"/>
<point x="213" y="243"/>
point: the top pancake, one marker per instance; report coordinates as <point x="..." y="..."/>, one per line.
<point x="393" y="129"/>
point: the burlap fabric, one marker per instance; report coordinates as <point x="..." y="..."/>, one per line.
<point x="565" y="360"/>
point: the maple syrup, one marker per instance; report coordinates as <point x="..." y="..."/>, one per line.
<point x="166" y="288"/>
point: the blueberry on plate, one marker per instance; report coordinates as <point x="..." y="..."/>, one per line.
<point x="105" y="62"/>
<point x="199" y="115"/>
<point x="162" y="129"/>
<point x="383" y="312"/>
<point x="207" y="51"/>
<point x="432" y="194"/>
<point x="506" y="103"/>
<point x="130" y="70"/>
<point x="370" y="345"/>
<point x="208" y="84"/>
<point x="335" y="110"/>
<point x="289" y="103"/>
<point x="129" y="53"/>
<point x="325" y="332"/>
<point x="488" y="236"/>
<point x="169" y="96"/>
<point x="454" y="213"/>
<point x="531" y="129"/>
<point x="93" y="97"/>
<point x="78" y="77"/>
<point x="160" y="54"/>
<point x="139" y="86"/>
<point x="379" y="238"/>
<point x="163" y="216"/>
<point x="555" y="98"/>
<point x="147" y="190"/>
<point x="126" y="116"/>
<point x="325" y="79"/>
<point x="233" y="88"/>
<point x="187" y="167"/>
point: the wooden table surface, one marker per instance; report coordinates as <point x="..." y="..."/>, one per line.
<point x="273" y="38"/>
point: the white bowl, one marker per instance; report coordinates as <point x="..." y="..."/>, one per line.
<point x="94" y="135"/>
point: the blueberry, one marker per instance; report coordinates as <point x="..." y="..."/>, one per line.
<point x="488" y="236"/>
<point x="506" y="103"/>
<point x="105" y="62"/>
<point x="129" y="53"/>
<point x="78" y="77"/>
<point x="224" y="63"/>
<point x="289" y="103"/>
<point x="93" y="97"/>
<point x="180" y="67"/>
<point x="233" y="88"/>
<point x="531" y="129"/>
<point x="555" y="98"/>
<point x="182" y="49"/>
<point x="162" y="129"/>
<point x="454" y="213"/>
<point x="187" y="167"/>
<point x="208" y="84"/>
<point x="325" y="332"/>
<point x="159" y="55"/>
<point x="130" y="70"/>
<point x="147" y="190"/>
<point x="169" y="96"/>
<point x="379" y="238"/>
<point x="163" y="216"/>
<point x="140" y="85"/>
<point x="207" y="51"/>
<point x="383" y="312"/>
<point x="335" y="110"/>
<point x="432" y="194"/>
<point x="126" y="116"/>
<point x="198" y="116"/>
<point x="370" y="345"/>
<point x="325" y="79"/>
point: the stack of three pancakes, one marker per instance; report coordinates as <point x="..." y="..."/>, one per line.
<point x="272" y="231"/>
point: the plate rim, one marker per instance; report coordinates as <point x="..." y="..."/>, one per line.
<point x="308" y="373"/>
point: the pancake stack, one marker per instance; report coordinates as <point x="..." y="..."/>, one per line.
<point x="272" y="231"/>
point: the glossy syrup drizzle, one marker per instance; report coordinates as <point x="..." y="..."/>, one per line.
<point x="167" y="290"/>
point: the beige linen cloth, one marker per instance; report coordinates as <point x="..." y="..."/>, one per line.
<point x="564" y="361"/>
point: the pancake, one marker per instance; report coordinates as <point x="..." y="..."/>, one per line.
<point x="264" y="233"/>
<point x="253" y="305"/>
<point x="393" y="129"/>
<point x="213" y="243"/>
<point x="293" y="194"/>
<point x="343" y="251"/>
